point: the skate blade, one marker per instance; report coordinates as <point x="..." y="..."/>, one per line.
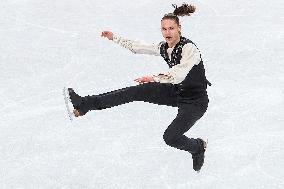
<point x="67" y="101"/>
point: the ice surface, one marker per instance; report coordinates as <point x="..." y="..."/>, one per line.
<point x="46" y="45"/>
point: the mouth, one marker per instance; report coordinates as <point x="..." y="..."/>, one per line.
<point x="168" y="38"/>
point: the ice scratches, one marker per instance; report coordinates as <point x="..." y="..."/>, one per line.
<point x="258" y="151"/>
<point x="210" y="7"/>
<point x="270" y="159"/>
<point x="52" y="29"/>
<point x="165" y="170"/>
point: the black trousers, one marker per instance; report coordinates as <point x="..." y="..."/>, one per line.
<point x="189" y="110"/>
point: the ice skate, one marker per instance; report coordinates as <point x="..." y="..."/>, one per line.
<point x="77" y="102"/>
<point x="198" y="157"/>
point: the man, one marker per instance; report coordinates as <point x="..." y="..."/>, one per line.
<point x="183" y="85"/>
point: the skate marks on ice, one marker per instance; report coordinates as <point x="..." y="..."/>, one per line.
<point x="72" y="34"/>
<point x="257" y="159"/>
<point x="20" y="13"/>
<point x="270" y="157"/>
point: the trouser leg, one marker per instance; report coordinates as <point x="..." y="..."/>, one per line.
<point x="157" y="93"/>
<point x="187" y="115"/>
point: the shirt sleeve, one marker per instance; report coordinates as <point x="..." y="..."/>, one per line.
<point x="138" y="47"/>
<point x="176" y="74"/>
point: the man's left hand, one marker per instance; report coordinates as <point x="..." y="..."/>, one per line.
<point x="146" y="79"/>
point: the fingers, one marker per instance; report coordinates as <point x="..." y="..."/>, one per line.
<point x="139" y="80"/>
<point x="104" y="33"/>
<point x="143" y="80"/>
<point x="107" y="34"/>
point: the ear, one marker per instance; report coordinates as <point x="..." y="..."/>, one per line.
<point x="179" y="28"/>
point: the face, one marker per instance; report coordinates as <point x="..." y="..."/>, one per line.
<point x="171" y="31"/>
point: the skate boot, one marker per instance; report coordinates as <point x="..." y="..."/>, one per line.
<point x="79" y="103"/>
<point x="198" y="157"/>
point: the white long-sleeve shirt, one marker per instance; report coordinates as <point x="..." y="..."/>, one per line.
<point x="176" y="74"/>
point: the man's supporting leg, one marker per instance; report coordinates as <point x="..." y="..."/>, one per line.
<point x="174" y="136"/>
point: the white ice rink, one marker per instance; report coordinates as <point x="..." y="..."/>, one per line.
<point x="48" y="44"/>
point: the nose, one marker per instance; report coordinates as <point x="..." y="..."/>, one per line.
<point x="167" y="32"/>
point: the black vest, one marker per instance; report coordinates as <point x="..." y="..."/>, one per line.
<point x="195" y="83"/>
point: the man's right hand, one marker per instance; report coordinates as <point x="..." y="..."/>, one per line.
<point x="107" y="34"/>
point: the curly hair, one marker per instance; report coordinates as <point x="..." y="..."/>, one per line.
<point x="183" y="10"/>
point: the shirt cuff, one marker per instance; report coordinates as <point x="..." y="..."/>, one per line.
<point x="163" y="78"/>
<point x="116" y="39"/>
